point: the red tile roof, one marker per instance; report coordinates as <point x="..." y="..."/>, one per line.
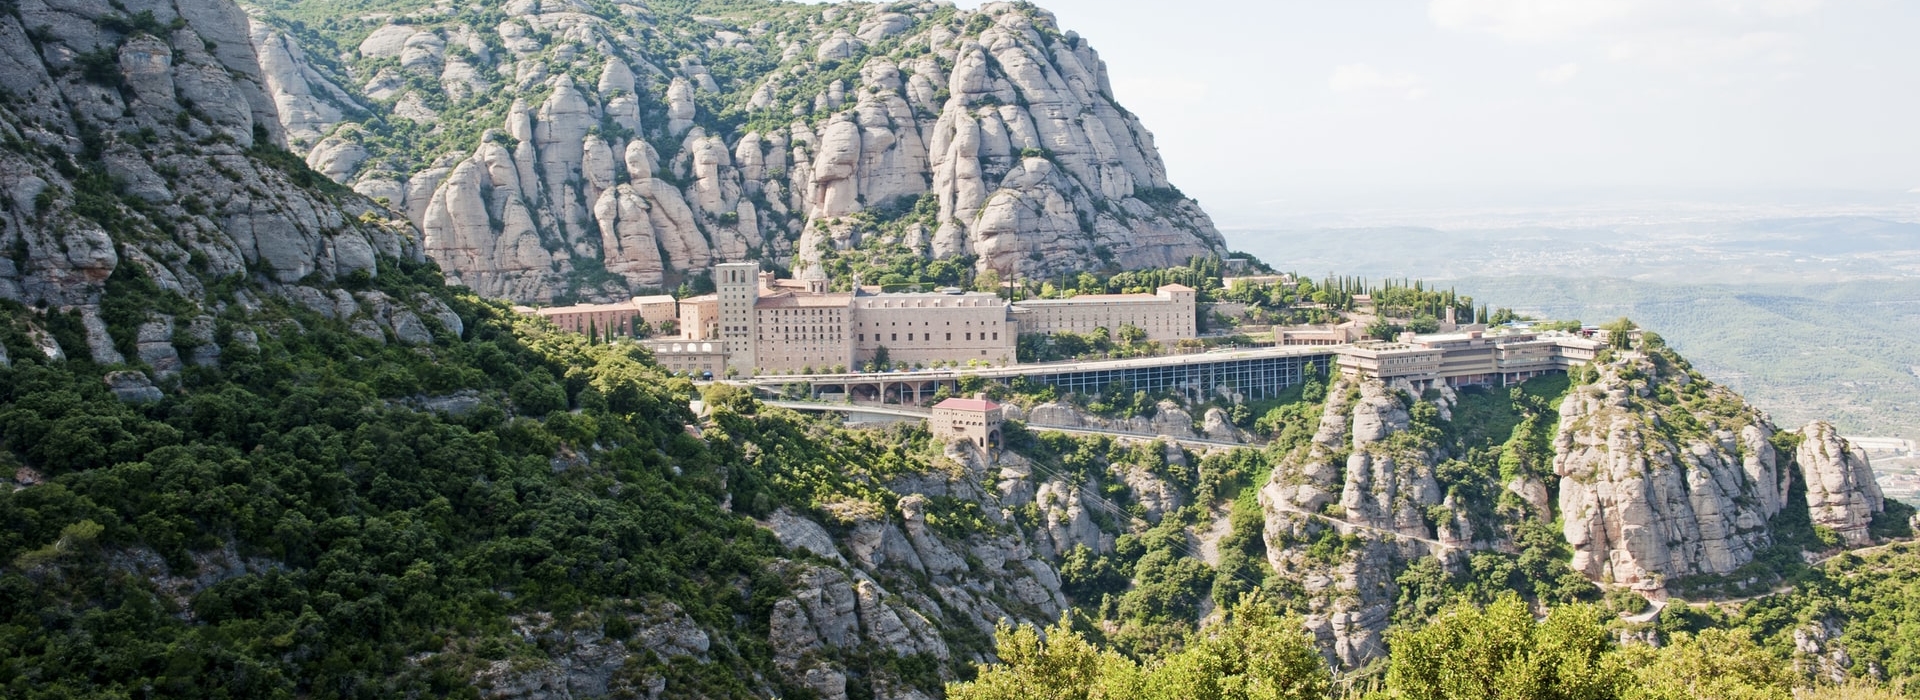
<point x="958" y="404"/>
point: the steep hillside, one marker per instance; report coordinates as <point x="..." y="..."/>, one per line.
<point x="1638" y="475"/>
<point x="142" y="156"/>
<point x="561" y="149"/>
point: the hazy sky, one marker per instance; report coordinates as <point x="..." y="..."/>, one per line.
<point x="1265" y="107"/>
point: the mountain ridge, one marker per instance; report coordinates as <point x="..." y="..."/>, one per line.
<point x="590" y="150"/>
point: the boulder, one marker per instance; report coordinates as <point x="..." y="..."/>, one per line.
<point x="155" y="347"/>
<point x="799" y="533"/>
<point x="132" y="387"/>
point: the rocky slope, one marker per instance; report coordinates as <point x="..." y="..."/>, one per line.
<point x="1168" y="419"/>
<point x="155" y="225"/>
<point x="142" y="149"/>
<point x="1362" y="475"/>
<point x="1660" y="476"/>
<point x="904" y="581"/>
<point x="1663" y="475"/>
<point x="1666" y="475"/>
<point x="1841" y="492"/>
<point x="557" y="148"/>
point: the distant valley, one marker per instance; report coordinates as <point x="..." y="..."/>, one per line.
<point x="1806" y="316"/>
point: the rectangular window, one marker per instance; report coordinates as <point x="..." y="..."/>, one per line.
<point x="949" y="336"/>
<point x="895" y="336"/>
<point x="969" y="336"/>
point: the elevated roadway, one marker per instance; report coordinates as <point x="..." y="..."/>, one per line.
<point x="1252" y="374"/>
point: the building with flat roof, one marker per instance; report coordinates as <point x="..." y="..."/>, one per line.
<point x="765" y="325"/>
<point x="1330" y="334"/>
<point x="700" y="317"/>
<point x="1166" y="314"/>
<point x="924" y="328"/>
<point x="802" y="331"/>
<point x="737" y="286"/>
<point x="695" y="357"/>
<point x="975" y="420"/>
<point x="618" y="318"/>
<point x="1470" y="358"/>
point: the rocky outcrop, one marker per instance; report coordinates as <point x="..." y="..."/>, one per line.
<point x="1168" y="419"/>
<point x="583" y="660"/>
<point x="800" y="534"/>
<point x="1217" y="426"/>
<point x="307" y="103"/>
<point x="162" y="161"/>
<point x="1356" y="473"/>
<point x="1004" y="127"/>
<point x="1653" y="488"/>
<point x="1841" y="491"/>
<point x="906" y="579"/>
<point x="132" y="387"/>
<point x="1366" y="478"/>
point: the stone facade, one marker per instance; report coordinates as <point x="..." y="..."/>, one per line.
<point x="1167" y="314"/>
<point x="738" y="288"/>
<point x="766" y="325"/>
<point x="976" y="420"/>
<point x="618" y="318"/>
<point x="927" y="328"/>
<point x="802" y="332"/>
<point x="691" y="357"/>
<point x="700" y="317"/>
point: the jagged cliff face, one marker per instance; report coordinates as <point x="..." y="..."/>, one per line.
<point x="1660" y="475"/>
<point x="1664" y="475"/>
<point x="141" y="143"/>
<point x="892" y="582"/>
<point x="1841" y="492"/>
<point x="550" y="148"/>
<point x="1365" y="477"/>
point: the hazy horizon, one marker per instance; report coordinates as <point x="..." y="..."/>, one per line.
<point x="1288" y="113"/>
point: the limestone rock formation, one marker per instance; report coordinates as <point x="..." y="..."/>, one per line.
<point x="1841" y="491"/>
<point x="1360" y="477"/>
<point x="1168" y="419"/>
<point x="907" y="582"/>
<point x="546" y="179"/>
<point x="308" y="104"/>
<point x="801" y="534"/>
<point x="1650" y="490"/>
<point x="1660" y="478"/>
<point x="584" y="661"/>
<point x="164" y="162"/>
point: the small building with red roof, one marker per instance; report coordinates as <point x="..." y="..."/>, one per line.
<point x="976" y="420"/>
